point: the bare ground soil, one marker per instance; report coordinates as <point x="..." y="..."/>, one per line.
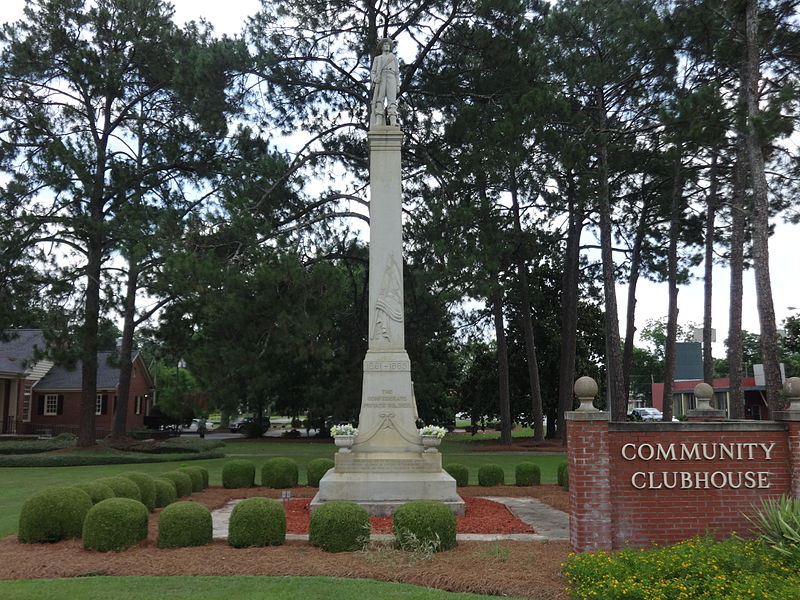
<point x="506" y="568"/>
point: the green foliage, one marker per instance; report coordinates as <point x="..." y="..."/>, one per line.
<point x="123" y="487"/>
<point x="166" y="492"/>
<point x="491" y="474"/>
<point x="97" y="490"/>
<point x="316" y="469"/>
<point x="527" y="473"/>
<point x="183" y="524"/>
<point x="238" y="473"/>
<point x="28" y="446"/>
<point x="168" y="446"/>
<point x="146" y="485"/>
<point x="562" y="475"/>
<point x="53" y="514"/>
<point x="279" y="473"/>
<point x="182" y="481"/>
<point x="778" y="522"/>
<point x="422" y="522"/>
<point x="204" y="474"/>
<point x="257" y="522"/>
<point x="697" y="569"/>
<point x="339" y="527"/>
<point x="195" y="475"/>
<point x="252" y="429"/>
<point x="82" y="460"/>
<point x="458" y="472"/>
<point x="115" y="524"/>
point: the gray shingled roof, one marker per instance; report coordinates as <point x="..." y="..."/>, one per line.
<point x="16" y="354"/>
<point x="61" y="378"/>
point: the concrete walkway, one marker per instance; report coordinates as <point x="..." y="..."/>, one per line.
<point x="547" y="522"/>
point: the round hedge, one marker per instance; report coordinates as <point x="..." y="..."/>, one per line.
<point x="562" y="475"/>
<point x="491" y="474"/>
<point x="257" y="522"/>
<point x="97" y="490"/>
<point x="238" y="474"/>
<point x="339" y="526"/>
<point x="316" y="469"/>
<point x="424" y="522"/>
<point x="527" y="473"/>
<point x="458" y="472"/>
<point x="183" y="483"/>
<point x="279" y="473"/>
<point x="195" y="475"/>
<point x="147" y="488"/>
<point x="115" y="524"/>
<point x="165" y="492"/>
<point x="53" y="514"/>
<point x="204" y="473"/>
<point x="184" y="524"/>
<point x="123" y="487"/>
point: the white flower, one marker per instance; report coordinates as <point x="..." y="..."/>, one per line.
<point x="344" y="429"/>
<point x="433" y="430"/>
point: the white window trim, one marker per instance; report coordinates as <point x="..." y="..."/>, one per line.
<point x="137" y="405"/>
<point x="51" y="410"/>
<point x="98" y="405"/>
<point x="27" y="398"/>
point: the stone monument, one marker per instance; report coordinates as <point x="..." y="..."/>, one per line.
<point x="388" y="465"/>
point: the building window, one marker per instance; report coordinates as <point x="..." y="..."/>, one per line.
<point x="98" y="405"/>
<point x="51" y="404"/>
<point x="26" y="402"/>
<point x="137" y="405"/>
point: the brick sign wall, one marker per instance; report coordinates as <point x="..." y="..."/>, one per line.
<point x="635" y="484"/>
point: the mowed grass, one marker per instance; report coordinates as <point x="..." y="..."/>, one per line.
<point x="221" y="588"/>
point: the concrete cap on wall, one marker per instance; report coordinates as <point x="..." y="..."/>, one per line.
<point x="586" y="389"/>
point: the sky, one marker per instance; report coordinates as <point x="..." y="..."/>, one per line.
<point x="229" y="17"/>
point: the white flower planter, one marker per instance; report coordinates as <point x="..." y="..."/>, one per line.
<point x="430" y="442"/>
<point x="344" y="442"/>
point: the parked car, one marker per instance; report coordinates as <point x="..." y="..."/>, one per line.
<point x="646" y="413"/>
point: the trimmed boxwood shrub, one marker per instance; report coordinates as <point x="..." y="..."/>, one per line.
<point x="97" y="490"/>
<point x="115" y="524"/>
<point x="53" y="514"/>
<point x="123" y="487"/>
<point x="527" y="473"/>
<point x="81" y="460"/>
<point x="204" y="473"/>
<point x="458" y="472"/>
<point x="238" y="474"/>
<point x="165" y="492"/>
<point x="422" y="523"/>
<point x="195" y="475"/>
<point x="491" y="474"/>
<point x="184" y="524"/>
<point x="562" y="475"/>
<point x="339" y="526"/>
<point x="183" y="483"/>
<point x="257" y="522"/>
<point x="279" y="473"/>
<point x="147" y="488"/>
<point x="316" y="469"/>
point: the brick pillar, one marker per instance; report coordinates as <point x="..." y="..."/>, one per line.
<point x="792" y="418"/>
<point x="589" y="477"/>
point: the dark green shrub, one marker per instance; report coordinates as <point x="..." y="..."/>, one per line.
<point x="165" y="492"/>
<point x="183" y="483"/>
<point x="115" y="524"/>
<point x="29" y="446"/>
<point x="527" y="473"/>
<point x="279" y="473"/>
<point x="195" y="475"/>
<point x="147" y="488"/>
<point x="238" y="474"/>
<point x="491" y="474"/>
<point x="424" y="525"/>
<point x="80" y="460"/>
<point x="339" y="527"/>
<point x="53" y="514"/>
<point x="184" y="524"/>
<point x="204" y="473"/>
<point x="458" y="472"/>
<point x="562" y="475"/>
<point x="316" y="469"/>
<point x="252" y="429"/>
<point x="123" y="487"/>
<point x="257" y="522"/>
<point x="97" y="490"/>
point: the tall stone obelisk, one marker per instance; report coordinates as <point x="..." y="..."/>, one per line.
<point x="388" y="465"/>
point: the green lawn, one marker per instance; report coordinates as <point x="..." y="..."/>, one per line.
<point x="220" y="588"/>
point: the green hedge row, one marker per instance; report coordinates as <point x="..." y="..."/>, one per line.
<point x="84" y="460"/>
<point x="34" y="446"/>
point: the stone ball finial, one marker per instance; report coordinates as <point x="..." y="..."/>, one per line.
<point x="704" y="391"/>
<point x="792" y="387"/>
<point x="585" y="387"/>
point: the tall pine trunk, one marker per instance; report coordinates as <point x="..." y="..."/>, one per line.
<point x="736" y="265"/>
<point x="760" y="227"/>
<point x="708" y="275"/>
<point x="126" y="351"/>
<point x="502" y="366"/>
<point x="672" y="279"/>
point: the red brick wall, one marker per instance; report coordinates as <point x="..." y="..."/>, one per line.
<point x="729" y="487"/>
